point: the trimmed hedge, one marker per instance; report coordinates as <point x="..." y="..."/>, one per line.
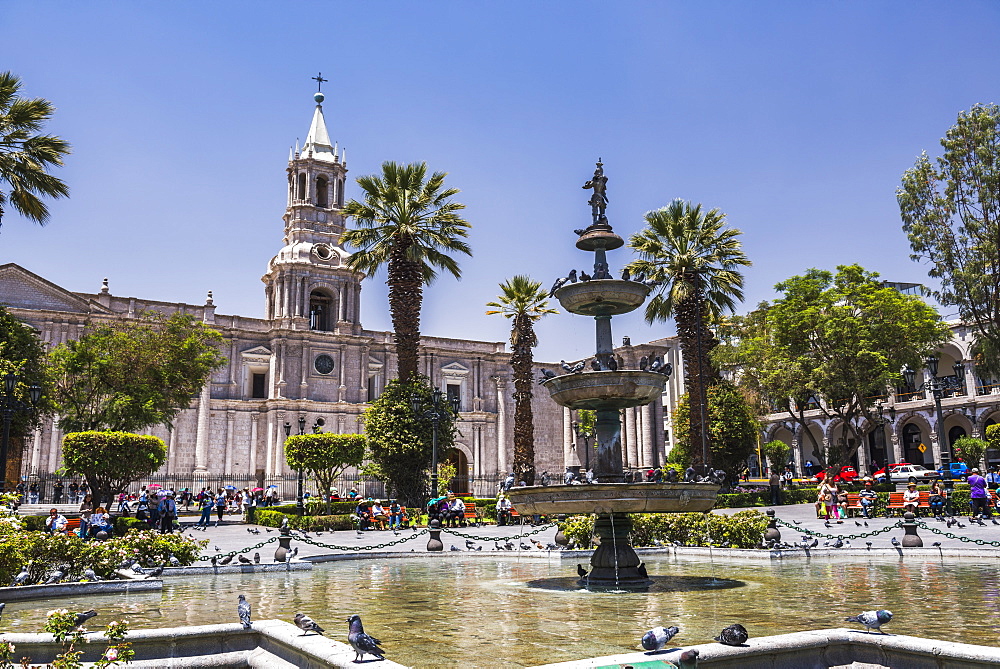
<point x="269" y="518"/>
<point x="744" y="529"/>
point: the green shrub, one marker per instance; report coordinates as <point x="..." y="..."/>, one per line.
<point x="124" y="523"/>
<point x="34" y="523"/>
<point x="744" y="529"/>
<point x="269" y="518"/>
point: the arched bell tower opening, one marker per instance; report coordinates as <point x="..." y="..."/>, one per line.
<point x="320" y="311"/>
<point x="322" y="191"/>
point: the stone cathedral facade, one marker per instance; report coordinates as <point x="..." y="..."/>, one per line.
<point x="311" y="357"/>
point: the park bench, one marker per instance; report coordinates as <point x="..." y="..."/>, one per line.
<point x="471" y="514"/>
<point x="896" y="502"/>
<point x="853" y="504"/>
<point x="72" y="525"/>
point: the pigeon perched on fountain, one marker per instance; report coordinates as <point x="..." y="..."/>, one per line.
<point x="362" y="643"/>
<point x="612" y="363"/>
<point x="580" y="232"/>
<point x="872" y="620"/>
<point x="295" y="551"/>
<point x="638" y="277"/>
<point x="82" y="618"/>
<point x="256" y="558"/>
<point x="560" y="282"/>
<point x="508" y="482"/>
<point x="655" y="364"/>
<point x="643" y="363"/>
<point x="895" y="542"/>
<point x="658" y="637"/>
<point x="584" y="276"/>
<point x="595" y="365"/>
<point x="22" y="578"/>
<point x="90" y="575"/>
<point x="243" y="610"/>
<point x="174" y="562"/>
<point x="244" y="560"/>
<point x="55" y="576"/>
<point x="156" y="573"/>
<point x="547" y="374"/>
<point x="307" y="624"/>
<point x="454" y="548"/>
<point x="626" y="275"/>
<point x="734" y="635"/>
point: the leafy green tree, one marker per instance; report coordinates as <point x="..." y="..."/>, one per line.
<point x="970" y="450"/>
<point x="951" y="215"/>
<point x="839" y="338"/>
<point x="408" y="224"/>
<point x="399" y="442"/>
<point x="777" y="453"/>
<point x="523" y="301"/>
<point x="21" y="353"/>
<point x="324" y="457"/>
<point x="733" y="429"/>
<point x="25" y="155"/>
<point x="131" y="374"/>
<point x="697" y="262"/>
<point x="110" y="461"/>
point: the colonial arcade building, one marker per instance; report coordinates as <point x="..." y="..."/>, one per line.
<point x="310" y="357"/>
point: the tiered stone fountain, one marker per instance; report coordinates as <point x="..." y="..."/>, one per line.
<point x="602" y="386"/>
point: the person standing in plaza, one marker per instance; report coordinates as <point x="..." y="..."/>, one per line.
<point x="205" y="503"/>
<point x="168" y="513"/>
<point x="220" y="506"/>
<point x="979" y="497"/>
<point x="57" y="491"/>
<point x="774" y="484"/>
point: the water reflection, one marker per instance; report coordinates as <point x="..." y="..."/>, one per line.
<point x="478" y="612"/>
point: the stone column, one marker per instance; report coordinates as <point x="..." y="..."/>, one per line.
<point x="54" y="444"/>
<point x="201" y="440"/>
<point x="501" y="383"/>
<point x="269" y="458"/>
<point x="648" y="446"/>
<point x="252" y="457"/>
<point x="172" y="451"/>
<point x="230" y="438"/>
<point x="631" y="439"/>
<point x="36" y="450"/>
<point x="568" y="459"/>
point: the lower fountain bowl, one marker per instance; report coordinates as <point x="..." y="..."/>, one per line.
<point x="606" y="389"/>
<point x="614" y="498"/>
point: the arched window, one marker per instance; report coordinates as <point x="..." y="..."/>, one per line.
<point x="320" y="311"/>
<point x="302" y="186"/>
<point x="321" y="192"/>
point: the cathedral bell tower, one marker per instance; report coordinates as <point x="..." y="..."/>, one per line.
<point x="307" y="285"/>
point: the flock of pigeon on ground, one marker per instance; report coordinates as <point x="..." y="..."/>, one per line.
<point x="61" y="574"/>
<point x="736" y="635"/>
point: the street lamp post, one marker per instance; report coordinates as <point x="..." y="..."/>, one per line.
<point x="435" y="413"/>
<point x="938" y="387"/>
<point x="11" y="406"/>
<point x="300" y="506"/>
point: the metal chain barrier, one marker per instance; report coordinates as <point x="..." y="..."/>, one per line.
<point x="410" y="537"/>
<point x="863" y="535"/>
<point x="518" y="536"/>
<point x="206" y="558"/>
<point x="969" y="540"/>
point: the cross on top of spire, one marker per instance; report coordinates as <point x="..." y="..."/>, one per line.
<point x="319" y="82"/>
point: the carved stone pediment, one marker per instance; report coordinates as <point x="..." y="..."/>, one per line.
<point x="257" y="354"/>
<point x="21" y="289"/>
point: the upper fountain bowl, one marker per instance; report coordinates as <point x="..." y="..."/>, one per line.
<point x="606" y="390"/>
<point x="614" y="498"/>
<point x="602" y="297"/>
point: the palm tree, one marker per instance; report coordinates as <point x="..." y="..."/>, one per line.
<point x="24" y="155"/>
<point x="697" y="263"/>
<point x="408" y="224"/>
<point x="523" y="301"/>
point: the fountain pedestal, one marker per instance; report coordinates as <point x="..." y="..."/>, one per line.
<point x="615" y="563"/>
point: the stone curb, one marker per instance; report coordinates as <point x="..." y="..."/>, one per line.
<point x="783" y="554"/>
<point x="814" y="649"/>
<point x="294" y="565"/>
<point x="27" y="592"/>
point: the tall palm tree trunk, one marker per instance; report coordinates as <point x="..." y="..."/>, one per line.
<point x="405" y="281"/>
<point x="522" y="362"/>
<point x="697" y="374"/>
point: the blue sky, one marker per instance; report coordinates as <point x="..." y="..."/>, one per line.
<point x="795" y="118"/>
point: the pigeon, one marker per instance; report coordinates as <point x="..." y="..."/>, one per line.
<point x="137" y="569"/>
<point x="509" y="545"/>
<point x="295" y="551"/>
<point x="243" y="610"/>
<point x="655" y="364"/>
<point x="797" y="522"/>
<point x="174" y="562"/>
<point x="470" y="544"/>
<point x="256" y="558"/>
<point x="578" y="367"/>
<point x="268" y="530"/>
<point x="869" y="544"/>
<point x="307" y="624"/>
<point x="612" y="364"/>
<point x="244" y="560"/>
<point x="826" y="524"/>
<point x="872" y="619"/>
<point x="547" y="374"/>
<point x="643" y="363"/>
<point x="895" y="542"/>
<point x="734" y="635"/>
<point x="658" y="637"/>
<point x="866" y="523"/>
<point x="361" y="642"/>
<point x="55" y="576"/>
<point x="126" y="563"/>
<point x="89" y="574"/>
<point x="524" y="546"/>
<point x="508" y="481"/>
<point x="580" y="232"/>
<point x="455" y="548"/>
<point x="961" y="526"/>
<point x="156" y="572"/>
<point x="994" y="521"/>
<point x="559" y="283"/>
<point x="227" y="559"/>
<point x="667" y="370"/>
<point x="22" y="578"/>
<point x="857" y="523"/>
<point x="688" y="659"/>
<point x="936" y="544"/>
<point x="626" y="275"/>
<point x="215" y="560"/>
<point x="839" y="543"/>
<point x="814" y="544"/>
<point x="82" y="618"/>
<point x="595" y="365"/>
<point x="948" y="523"/>
<point x="284" y="525"/>
<point x="639" y="277"/>
<point x="571" y="277"/>
<point x="584" y="276"/>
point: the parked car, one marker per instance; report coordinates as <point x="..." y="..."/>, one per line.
<point x="959" y="470"/>
<point x="912" y="474"/>
<point x="879" y="476"/>
<point x="845" y="475"/>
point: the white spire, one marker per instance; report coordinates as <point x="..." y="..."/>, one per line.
<point x="291" y="154"/>
<point x="336" y="147"/>
<point x="318" y="139"/>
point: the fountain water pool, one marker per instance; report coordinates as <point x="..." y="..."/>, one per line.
<point x="449" y="610"/>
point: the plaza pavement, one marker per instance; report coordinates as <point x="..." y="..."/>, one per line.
<point x="233" y="535"/>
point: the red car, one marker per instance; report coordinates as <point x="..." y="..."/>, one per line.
<point x="846" y="475"/>
<point x="879" y="476"/>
